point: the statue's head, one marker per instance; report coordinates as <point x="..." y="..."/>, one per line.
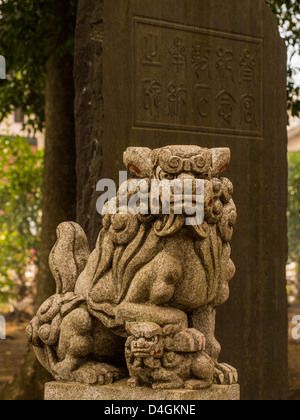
<point x="197" y="192"/>
<point x="172" y="162"/>
<point x="174" y="188"/>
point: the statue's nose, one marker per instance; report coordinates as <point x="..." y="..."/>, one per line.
<point x="186" y="165"/>
<point x="141" y="342"/>
<point x="186" y="176"/>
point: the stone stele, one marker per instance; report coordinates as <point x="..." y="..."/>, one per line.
<point x="211" y="73"/>
<point x="143" y="303"/>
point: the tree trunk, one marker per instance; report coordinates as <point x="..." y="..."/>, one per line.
<point x="88" y="76"/>
<point x="59" y="192"/>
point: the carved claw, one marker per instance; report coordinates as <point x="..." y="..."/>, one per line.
<point x="94" y="373"/>
<point x="90" y="373"/>
<point x="133" y="382"/>
<point x="225" y="374"/>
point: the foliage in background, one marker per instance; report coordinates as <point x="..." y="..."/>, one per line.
<point x="294" y="206"/>
<point x="287" y="13"/>
<point x="21" y="173"/>
<point x="27" y="28"/>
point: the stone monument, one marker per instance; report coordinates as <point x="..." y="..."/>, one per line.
<point x="210" y="73"/>
<point x="148" y="292"/>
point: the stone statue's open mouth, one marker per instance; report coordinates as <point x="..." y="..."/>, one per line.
<point x="141" y="352"/>
<point x="188" y="205"/>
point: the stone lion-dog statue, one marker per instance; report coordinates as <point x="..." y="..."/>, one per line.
<point x="146" y="268"/>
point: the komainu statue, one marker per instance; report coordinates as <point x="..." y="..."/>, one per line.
<point x="144" y="300"/>
<point x="167" y="358"/>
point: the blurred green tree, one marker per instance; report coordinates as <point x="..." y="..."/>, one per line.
<point x="294" y="206"/>
<point x="30" y="33"/>
<point x="287" y="13"/>
<point x="37" y="40"/>
<point x="21" y="175"/>
<point x="33" y="24"/>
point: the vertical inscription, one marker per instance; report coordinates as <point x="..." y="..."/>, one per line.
<point x="151" y="50"/>
<point x="225" y="106"/>
<point x="151" y="97"/>
<point x="204" y="105"/>
<point x="248" y="109"/>
<point x="224" y="63"/>
<point x="248" y="67"/>
<point x="177" y="99"/>
<point x="200" y="59"/>
<point x="196" y="79"/>
<point x="177" y="54"/>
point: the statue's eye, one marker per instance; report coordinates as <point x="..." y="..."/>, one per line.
<point x="164" y="175"/>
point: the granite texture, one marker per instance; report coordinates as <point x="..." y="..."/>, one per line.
<point x="151" y="276"/>
<point x="108" y="79"/>
<point x="55" y="391"/>
<point x="170" y="358"/>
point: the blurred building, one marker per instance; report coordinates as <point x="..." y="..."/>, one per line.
<point x="293" y="285"/>
<point x="292" y="282"/>
<point x="14" y="126"/>
<point x="294" y="136"/>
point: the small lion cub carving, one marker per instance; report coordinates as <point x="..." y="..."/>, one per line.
<point x="172" y="357"/>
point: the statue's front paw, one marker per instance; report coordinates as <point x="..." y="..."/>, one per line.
<point x="133" y="382"/>
<point x="32" y="333"/>
<point x="94" y="373"/>
<point x="225" y="374"/>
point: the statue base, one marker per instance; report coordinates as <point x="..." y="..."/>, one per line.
<point x="119" y="391"/>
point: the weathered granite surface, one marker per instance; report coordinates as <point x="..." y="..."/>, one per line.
<point x="109" y="94"/>
<point x="55" y="391"/>
<point x="148" y="293"/>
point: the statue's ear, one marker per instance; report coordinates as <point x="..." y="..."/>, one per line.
<point x="129" y="326"/>
<point x="138" y="161"/>
<point x="220" y="160"/>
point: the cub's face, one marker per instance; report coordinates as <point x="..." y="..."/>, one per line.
<point x="145" y="340"/>
<point x="143" y="347"/>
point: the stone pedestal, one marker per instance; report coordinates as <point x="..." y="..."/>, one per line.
<point x="57" y="391"/>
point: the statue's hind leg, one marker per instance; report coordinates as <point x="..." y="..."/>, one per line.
<point x="204" y="320"/>
<point x="78" y="359"/>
